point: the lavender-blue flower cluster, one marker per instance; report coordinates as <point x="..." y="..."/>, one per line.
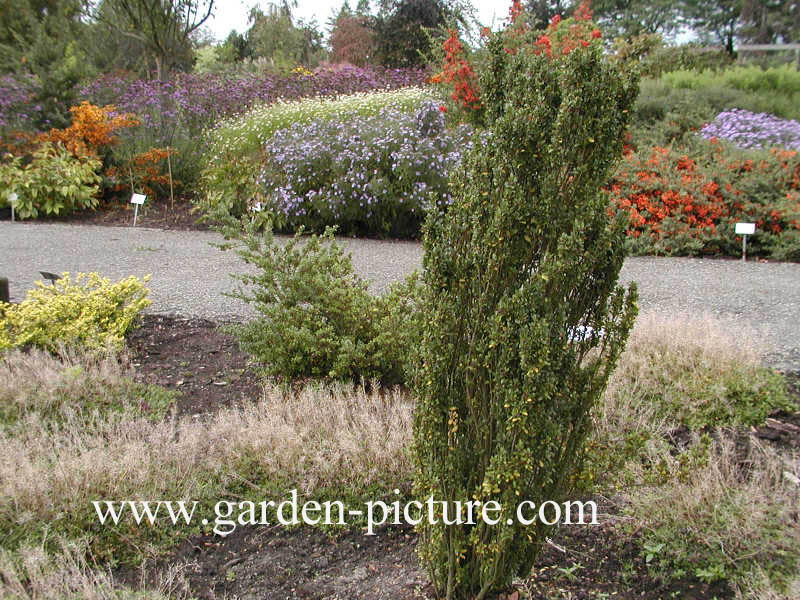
<point x="753" y="130"/>
<point x="372" y="175"/>
<point x="17" y="103"/>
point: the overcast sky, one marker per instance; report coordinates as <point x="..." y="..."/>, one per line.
<point x="232" y="14"/>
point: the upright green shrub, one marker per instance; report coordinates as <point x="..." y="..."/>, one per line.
<point x="523" y="320"/>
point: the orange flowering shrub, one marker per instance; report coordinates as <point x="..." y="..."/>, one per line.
<point x="149" y="171"/>
<point x="685" y="201"/>
<point x="92" y="128"/>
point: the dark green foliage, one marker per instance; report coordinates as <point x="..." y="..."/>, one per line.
<point x="628" y="18"/>
<point x="160" y="29"/>
<point x="522" y="261"/>
<point x="715" y="20"/>
<point x="44" y="38"/>
<point x="401" y="32"/>
<point x="283" y="41"/>
<point x="651" y="57"/>
<point x="539" y="12"/>
<point x="317" y="317"/>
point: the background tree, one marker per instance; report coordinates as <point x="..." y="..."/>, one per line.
<point x="274" y="36"/>
<point x="629" y="18"/>
<point x="715" y="21"/>
<point x="401" y="30"/>
<point x="45" y="38"/>
<point x="235" y="48"/>
<point x="352" y="40"/>
<point x="161" y="28"/>
<point x="541" y="11"/>
<point x="770" y="21"/>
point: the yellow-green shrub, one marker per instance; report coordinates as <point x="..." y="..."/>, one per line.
<point x="89" y="311"/>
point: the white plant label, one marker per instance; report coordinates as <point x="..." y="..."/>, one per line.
<point x="745" y="228"/>
<point x="12" y="198"/>
<point x="138" y="199"/>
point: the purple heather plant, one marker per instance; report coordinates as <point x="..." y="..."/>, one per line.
<point x="751" y="130"/>
<point x="367" y="175"/>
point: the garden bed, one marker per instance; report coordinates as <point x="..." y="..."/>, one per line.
<point x="195" y="357"/>
<point x="120" y="214"/>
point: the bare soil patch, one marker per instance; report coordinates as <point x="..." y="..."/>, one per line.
<point x="196" y="358"/>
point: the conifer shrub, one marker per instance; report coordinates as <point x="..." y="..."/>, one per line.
<point x="523" y="320"/>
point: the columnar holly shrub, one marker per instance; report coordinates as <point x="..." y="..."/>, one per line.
<point x="524" y="320"/>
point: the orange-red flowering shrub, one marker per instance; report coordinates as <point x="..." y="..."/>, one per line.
<point x="459" y="74"/>
<point x="148" y="169"/>
<point x="92" y="128"/>
<point x="559" y="39"/>
<point x="686" y="200"/>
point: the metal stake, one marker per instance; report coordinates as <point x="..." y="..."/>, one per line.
<point x="12" y="200"/>
<point x="135" y="213"/>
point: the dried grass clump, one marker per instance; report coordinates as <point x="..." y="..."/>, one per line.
<point x="33" y="574"/>
<point x="734" y="516"/>
<point x="340" y="437"/>
<point x="38" y="381"/>
<point x="696" y="371"/>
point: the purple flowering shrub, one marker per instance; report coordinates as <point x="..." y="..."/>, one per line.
<point x="751" y="130"/>
<point x="368" y="175"/>
<point x="202" y="99"/>
<point x="175" y="113"/>
<point x="17" y="105"/>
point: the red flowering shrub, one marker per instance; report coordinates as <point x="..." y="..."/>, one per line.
<point x="148" y="170"/>
<point x="457" y="73"/>
<point x="686" y="201"/>
<point x="461" y="71"/>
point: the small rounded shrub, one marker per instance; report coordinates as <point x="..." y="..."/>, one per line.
<point x="88" y="311"/>
<point x="54" y="182"/>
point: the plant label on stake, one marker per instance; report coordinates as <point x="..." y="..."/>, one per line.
<point x="12" y="200"/>
<point x="137" y="200"/>
<point x="745" y="229"/>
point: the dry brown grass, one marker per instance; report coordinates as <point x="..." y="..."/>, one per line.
<point x="33" y="574"/>
<point x="735" y="510"/>
<point x="36" y="381"/>
<point x="681" y="367"/>
<point x="318" y="437"/>
<point x="342" y="437"/>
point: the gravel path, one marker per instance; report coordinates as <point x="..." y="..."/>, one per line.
<point x="189" y="276"/>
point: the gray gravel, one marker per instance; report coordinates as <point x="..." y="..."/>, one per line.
<point x="189" y="276"/>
